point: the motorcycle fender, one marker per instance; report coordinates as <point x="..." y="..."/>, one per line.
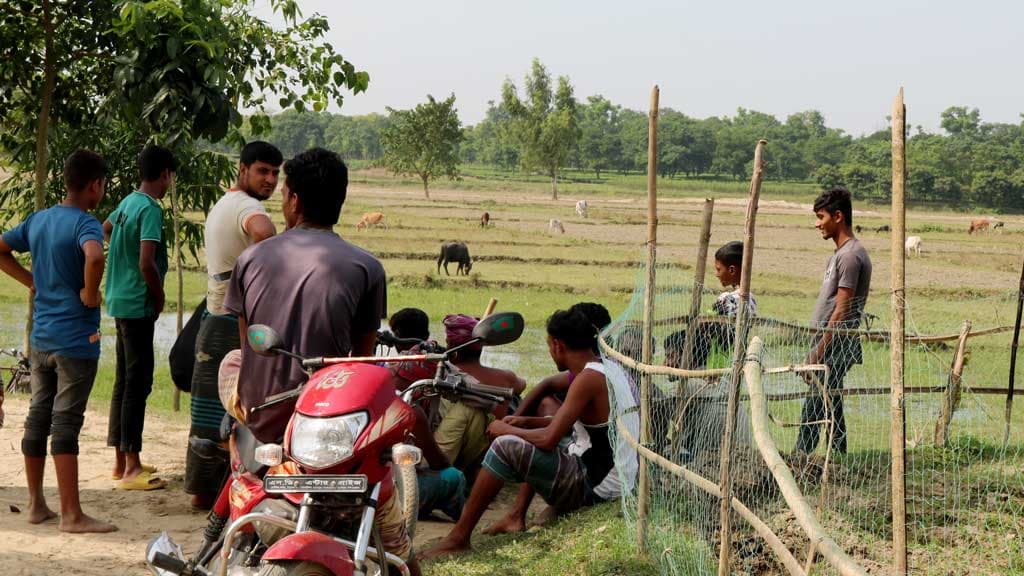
<point x="313" y="547"/>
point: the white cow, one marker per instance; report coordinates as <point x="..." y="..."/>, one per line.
<point x="581" y="208"/>
<point x="913" y="246"/>
<point x="555" y="225"/>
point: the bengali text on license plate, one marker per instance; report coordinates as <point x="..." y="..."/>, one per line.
<point x="277" y="484"/>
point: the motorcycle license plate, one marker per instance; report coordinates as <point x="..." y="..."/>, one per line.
<point x="318" y="483"/>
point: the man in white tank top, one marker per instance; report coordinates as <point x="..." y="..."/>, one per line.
<point x="238" y="220"/>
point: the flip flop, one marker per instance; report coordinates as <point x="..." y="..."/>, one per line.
<point x="144" y="481"/>
<point x="145" y="468"/>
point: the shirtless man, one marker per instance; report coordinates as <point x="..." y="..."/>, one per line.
<point x="526" y="449"/>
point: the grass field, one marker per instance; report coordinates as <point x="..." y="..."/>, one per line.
<point x="598" y="259"/>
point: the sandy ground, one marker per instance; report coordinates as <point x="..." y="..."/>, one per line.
<point x="37" y="550"/>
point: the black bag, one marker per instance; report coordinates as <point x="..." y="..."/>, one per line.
<point x="183" y="354"/>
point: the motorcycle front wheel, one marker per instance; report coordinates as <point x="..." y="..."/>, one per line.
<point x="275" y="568"/>
<point x="408" y="490"/>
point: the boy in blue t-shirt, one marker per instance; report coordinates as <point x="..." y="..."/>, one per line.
<point x="66" y="245"/>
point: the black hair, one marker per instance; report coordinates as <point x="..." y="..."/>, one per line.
<point x="573" y="328"/>
<point x="154" y="161"/>
<point x="836" y="199"/>
<point x="631" y="340"/>
<point x="730" y="254"/>
<point x="675" y="341"/>
<point x="597" y="314"/>
<point x="260" y="151"/>
<point x="81" y="168"/>
<point x="410" y="323"/>
<point x="320" y="179"/>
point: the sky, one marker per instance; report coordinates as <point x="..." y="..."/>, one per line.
<point x="845" y="59"/>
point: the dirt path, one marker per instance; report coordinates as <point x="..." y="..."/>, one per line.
<point x="27" y="550"/>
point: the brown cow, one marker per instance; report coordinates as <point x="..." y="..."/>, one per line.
<point x="372" y="220"/>
<point x="485" y="220"/>
<point x="979" y="225"/>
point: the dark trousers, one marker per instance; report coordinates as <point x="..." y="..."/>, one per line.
<point x="133" y="383"/>
<point x="217" y="336"/>
<point x="814" y="410"/>
<point x="60" y="392"/>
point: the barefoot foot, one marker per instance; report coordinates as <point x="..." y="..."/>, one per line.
<point x="443" y="548"/>
<point x="547" y="516"/>
<point x="41" y="514"/>
<point x="86" y="524"/>
<point x="509" y="524"/>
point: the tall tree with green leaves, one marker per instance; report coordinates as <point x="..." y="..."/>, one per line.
<point x="546" y="122"/>
<point x="600" y="134"/>
<point x="424" y="141"/>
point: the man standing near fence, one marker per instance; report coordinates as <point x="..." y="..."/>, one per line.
<point x="840" y="305"/>
<point x="238" y="220"/>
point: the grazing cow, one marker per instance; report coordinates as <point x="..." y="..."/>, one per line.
<point x="913" y="246"/>
<point x="998" y="225"/>
<point x="882" y="228"/>
<point x="454" y="252"/>
<point x="581" y="208"/>
<point x="555" y="225"/>
<point x="979" y="225"/>
<point x="485" y="220"/>
<point x="372" y="220"/>
<point x="858" y="228"/>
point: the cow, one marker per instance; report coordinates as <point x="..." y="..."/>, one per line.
<point x="372" y="220"/>
<point x="913" y="246"/>
<point x="581" y="208"/>
<point x="454" y="252"/>
<point x="555" y="225"/>
<point x="998" y="225"/>
<point x="485" y="220"/>
<point x="979" y="224"/>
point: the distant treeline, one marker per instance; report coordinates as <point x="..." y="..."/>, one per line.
<point x="969" y="163"/>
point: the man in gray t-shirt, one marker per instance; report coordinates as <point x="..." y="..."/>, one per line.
<point x="840" y="305"/>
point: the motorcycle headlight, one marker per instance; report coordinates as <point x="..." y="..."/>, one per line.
<point x="322" y="442"/>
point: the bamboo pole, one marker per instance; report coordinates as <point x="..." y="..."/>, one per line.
<point x="490" y="307"/>
<point x="739" y="350"/>
<point x="700" y="271"/>
<point x="176" y="214"/>
<point x="644" y="496"/>
<point x="802" y="511"/>
<point x="896" y="398"/>
<point x="952" y="393"/>
<point x="1013" y="358"/>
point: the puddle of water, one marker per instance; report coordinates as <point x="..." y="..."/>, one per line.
<point x="164" y="335"/>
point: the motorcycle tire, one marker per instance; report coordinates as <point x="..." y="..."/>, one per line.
<point x="275" y="568"/>
<point x="408" y="490"/>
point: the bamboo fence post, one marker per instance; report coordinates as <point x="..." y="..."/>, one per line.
<point x="739" y="352"/>
<point x="176" y="214"/>
<point x="644" y="496"/>
<point x="490" y="307"/>
<point x="1013" y="358"/>
<point x="896" y="399"/>
<point x="700" y="271"/>
<point x="951" y="398"/>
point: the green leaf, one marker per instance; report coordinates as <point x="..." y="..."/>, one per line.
<point x="172" y="47"/>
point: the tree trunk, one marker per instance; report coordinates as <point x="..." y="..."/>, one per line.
<point x="554" y="185"/>
<point x="42" y="131"/>
<point x="426" y="189"/>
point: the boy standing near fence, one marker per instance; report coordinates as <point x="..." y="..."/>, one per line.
<point x="840" y="306"/>
<point x="66" y="244"/>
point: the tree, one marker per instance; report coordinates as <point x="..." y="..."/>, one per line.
<point x="959" y="121"/>
<point x="545" y="123"/>
<point x="424" y="141"/>
<point x="600" y="140"/>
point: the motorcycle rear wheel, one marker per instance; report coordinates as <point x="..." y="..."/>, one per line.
<point x="292" y="568"/>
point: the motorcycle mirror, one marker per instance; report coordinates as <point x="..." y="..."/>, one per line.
<point x="263" y="339"/>
<point x="500" y="328"/>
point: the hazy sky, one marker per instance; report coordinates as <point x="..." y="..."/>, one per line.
<point x="846" y="59"/>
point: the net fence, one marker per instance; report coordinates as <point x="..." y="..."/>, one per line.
<point x="964" y="486"/>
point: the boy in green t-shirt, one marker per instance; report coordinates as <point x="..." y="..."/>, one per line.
<point x="137" y="263"/>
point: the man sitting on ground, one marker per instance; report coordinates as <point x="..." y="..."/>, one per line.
<point x="527" y="449"/>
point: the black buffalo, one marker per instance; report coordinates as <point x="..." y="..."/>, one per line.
<point x="454" y="252"/>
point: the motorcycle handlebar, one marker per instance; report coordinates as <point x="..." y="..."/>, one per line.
<point x="491" y="393"/>
<point x="176" y="566"/>
<point x="499" y="391"/>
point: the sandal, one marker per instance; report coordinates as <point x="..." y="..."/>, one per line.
<point x="144" y="481"/>
<point x="145" y="468"/>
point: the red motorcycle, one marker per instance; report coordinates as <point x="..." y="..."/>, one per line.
<point x="308" y="506"/>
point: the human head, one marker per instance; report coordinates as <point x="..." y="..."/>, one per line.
<point x="315" y="185"/>
<point x="728" y="263"/>
<point x="458" y="329"/>
<point x="157" y="167"/>
<point x="631" y="341"/>
<point x="675" y="345"/>
<point x="85" y="177"/>
<point x="258" y="168"/>
<point x="596" y="313"/>
<point x="410" y="323"/>
<point x="833" y="210"/>
<point x="569" y="332"/>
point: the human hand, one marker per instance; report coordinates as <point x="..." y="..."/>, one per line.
<point x="497" y="428"/>
<point x="90" y="298"/>
<point x="516" y="421"/>
<point x="158" y="304"/>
